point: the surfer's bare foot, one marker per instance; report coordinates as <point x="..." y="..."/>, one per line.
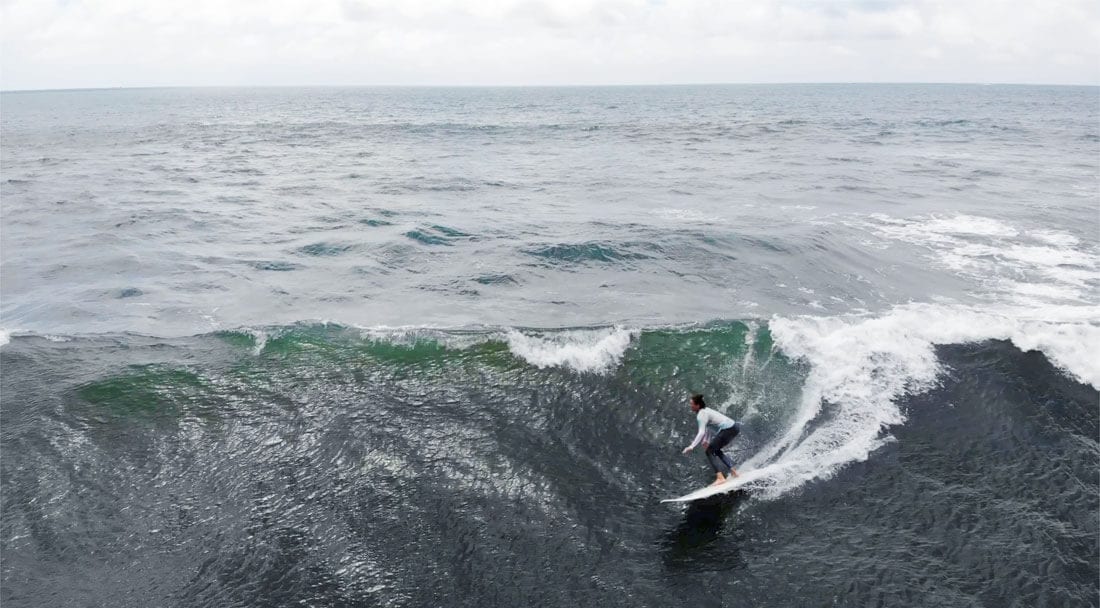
<point x="733" y="472"/>
<point x="719" y="479"/>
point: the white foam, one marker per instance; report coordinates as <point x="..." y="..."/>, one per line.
<point x="1050" y="256"/>
<point x="260" y="337"/>
<point x="930" y="227"/>
<point x="861" y="366"/>
<point x="5" y="336"/>
<point x="584" y="350"/>
<point x="410" y="335"/>
<point x="688" y="215"/>
<point x="1039" y="293"/>
<point x="1003" y="263"/>
<point x="1057" y="238"/>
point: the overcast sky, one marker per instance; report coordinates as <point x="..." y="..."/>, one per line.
<point x="108" y="43"/>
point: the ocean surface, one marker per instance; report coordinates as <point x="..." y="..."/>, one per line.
<point x="433" y="347"/>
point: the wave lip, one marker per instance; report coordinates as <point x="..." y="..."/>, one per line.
<point x="583" y="350"/>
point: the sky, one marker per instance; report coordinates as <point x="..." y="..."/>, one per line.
<point x="50" y="44"/>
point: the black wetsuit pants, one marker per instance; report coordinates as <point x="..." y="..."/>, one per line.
<point x="718" y="460"/>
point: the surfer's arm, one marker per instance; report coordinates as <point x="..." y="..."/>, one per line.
<point x="698" y="436"/>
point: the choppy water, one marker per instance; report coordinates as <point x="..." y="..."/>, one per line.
<point x="431" y="346"/>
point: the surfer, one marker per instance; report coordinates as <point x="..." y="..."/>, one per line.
<point x="726" y="429"/>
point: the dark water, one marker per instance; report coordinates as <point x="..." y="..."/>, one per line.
<point x="427" y="347"/>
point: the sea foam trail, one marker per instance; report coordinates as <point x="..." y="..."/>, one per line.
<point x="1009" y="265"/>
<point x="584" y="350"/>
<point x="862" y="366"/>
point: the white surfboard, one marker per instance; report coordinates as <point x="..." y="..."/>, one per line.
<point x="727" y="486"/>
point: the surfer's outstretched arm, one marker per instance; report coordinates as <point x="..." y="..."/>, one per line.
<point x="698" y="436"/>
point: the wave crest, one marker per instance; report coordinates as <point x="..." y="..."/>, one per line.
<point x="584" y="350"/>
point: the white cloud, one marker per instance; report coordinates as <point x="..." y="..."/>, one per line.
<point x="83" y="43"/>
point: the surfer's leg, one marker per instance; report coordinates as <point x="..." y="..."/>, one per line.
<point x="734" y="432"/>
<point x="728" y="462"/>
<point x="725" y="459"/>
<point x="718" y="465"/>
<point x="717" y="460"/>
<point x="710" y="459"/>
<point x="720" y="441"/>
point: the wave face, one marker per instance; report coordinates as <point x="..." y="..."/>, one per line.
<point x="302" y="463"/>
<point x="433" y="346"/>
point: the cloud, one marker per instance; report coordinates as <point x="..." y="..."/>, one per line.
<point x="86" y="43"/>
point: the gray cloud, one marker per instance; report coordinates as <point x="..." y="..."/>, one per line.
<point x="258" y="42"/>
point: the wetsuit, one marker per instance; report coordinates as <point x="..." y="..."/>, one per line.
<point x="726" y="429"/>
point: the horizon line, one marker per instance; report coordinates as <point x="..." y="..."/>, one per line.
<point x="531" y="86"/>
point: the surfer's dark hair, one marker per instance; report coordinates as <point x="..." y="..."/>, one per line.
<point x="697" y="399"/>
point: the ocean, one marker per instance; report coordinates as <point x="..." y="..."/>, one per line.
<point x="433" y="346"/>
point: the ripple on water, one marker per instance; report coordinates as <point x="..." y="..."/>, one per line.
<point x="437" y="235"/>
<point x="590" y="252"/>
<point x="274" y="265"/>
<point x="496" y="279"/>
<point x="375" y="223"/>
<point x="325" y="249"/>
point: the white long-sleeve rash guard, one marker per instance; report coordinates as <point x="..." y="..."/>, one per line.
<point x="708" y="416"/>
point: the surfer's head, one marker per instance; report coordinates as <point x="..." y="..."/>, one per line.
<point x="697" y="402"/>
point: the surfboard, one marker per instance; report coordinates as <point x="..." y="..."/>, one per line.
<point x="722" y="488"/>
<point x="747" y="477"/>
